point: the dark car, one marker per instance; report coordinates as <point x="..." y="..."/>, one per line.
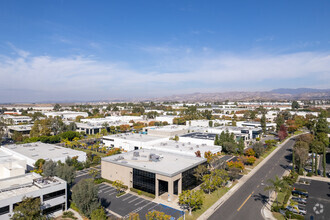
<point x="296" y="192"/>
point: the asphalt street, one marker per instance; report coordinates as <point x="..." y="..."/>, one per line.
<point x="247" y="202"/>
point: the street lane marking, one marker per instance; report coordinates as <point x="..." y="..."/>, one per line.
<point x="245" y="201"/>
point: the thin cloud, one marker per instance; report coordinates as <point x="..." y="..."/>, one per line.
<point x="83" y="77"/>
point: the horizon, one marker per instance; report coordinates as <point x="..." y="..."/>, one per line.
<point x="58" y="51"/>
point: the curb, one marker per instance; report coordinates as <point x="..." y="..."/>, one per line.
<point x="216" y="205"/>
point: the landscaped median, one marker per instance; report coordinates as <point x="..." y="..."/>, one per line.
<point x="234" y="188"/>
<point x="209" y="200"/>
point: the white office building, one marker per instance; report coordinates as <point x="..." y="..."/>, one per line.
<point x="52" y="192"/>
<point x="33" y="151"/>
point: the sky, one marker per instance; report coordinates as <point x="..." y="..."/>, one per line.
<point x="83" y="50"/>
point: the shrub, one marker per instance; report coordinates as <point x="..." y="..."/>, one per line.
<point x="142" y="193"/>
<point x="68" y="214"/>
<point x="309" y="174"/>
<point x="250" y="152"/>
<point x="236" y="164"/>
<point x="250" y="160"/>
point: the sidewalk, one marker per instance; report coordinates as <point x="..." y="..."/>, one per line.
<point x="216" y="205"/>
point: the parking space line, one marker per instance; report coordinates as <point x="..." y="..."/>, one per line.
<point x="143" y="200"/>
<point x="112" y="193"/>
<point x="102" y="186"/>
<point x="128" y="197"/>
<point x="134" y="199"/>
<point x="108" y="190"/>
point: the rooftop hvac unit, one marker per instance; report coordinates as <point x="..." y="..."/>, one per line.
<point x="154" y="157"/>
<point x="191" y="148"/>
<point x="197" y="146"/>
<point x="177" y="146"/>
<point x="136" y="154"/>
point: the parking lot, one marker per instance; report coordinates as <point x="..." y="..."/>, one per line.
<point x="129" y="203"/>
<point x="318" y="201"/>
<point x="84" y="174"/>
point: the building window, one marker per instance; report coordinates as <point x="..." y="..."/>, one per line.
<point x="144" y="181"/>
<point x="4" y="210"/>
<point x="53" y="209"/>
<point x="54" y="195"/>
<point x="188" y="179"/>
<point x="175" y="187"/>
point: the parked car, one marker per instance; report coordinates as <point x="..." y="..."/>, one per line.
<point x="296" y="192"/>
<point x="299" y="200"/>
<point x="296" y="210"/>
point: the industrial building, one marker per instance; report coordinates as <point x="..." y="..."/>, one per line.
<point x="10" y="165"/>
<point x="157" y="172"/>
<point x="33" y="151"/>
<point x="52" y="192"/>
<point x="131" y="141"/>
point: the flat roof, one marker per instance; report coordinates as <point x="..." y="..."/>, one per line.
<point x="169" y="164"/>
<point x="200" y="135"/>
<point x="20" y="127"/>
<point x="21" y="185"/>
<point x="40" y="150"/>
<point x="169" y="128"/>
<point x="133" y="137"/>
<point x="184" y="148"/>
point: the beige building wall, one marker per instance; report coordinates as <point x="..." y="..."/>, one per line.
<point x="170" y="181"/>
<point x="111" y="171"/>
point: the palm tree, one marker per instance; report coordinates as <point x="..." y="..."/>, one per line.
<point x="275" y="185"/>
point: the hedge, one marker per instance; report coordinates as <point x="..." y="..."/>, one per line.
<point x="140" y="192"/>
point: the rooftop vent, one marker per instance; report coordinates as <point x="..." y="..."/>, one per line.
<point x="154" y="157"/>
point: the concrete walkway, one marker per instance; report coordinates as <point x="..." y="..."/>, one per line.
<point x="217" y="204"/>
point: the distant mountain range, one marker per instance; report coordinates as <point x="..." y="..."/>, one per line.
<point x="276" y="95"/>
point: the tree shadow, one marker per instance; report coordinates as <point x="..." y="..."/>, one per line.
<point x="105" y="203"/>
<point x="262" y="198"/>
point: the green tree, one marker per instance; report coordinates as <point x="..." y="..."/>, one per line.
<point x="276" y="185"/>
<point x="17" y="136"/>
<point x="258" y="148"/>
<point x="66" y="172"/>
<point x="99" y="214"/>
<point x="191" y="199"/>
<point x="134" y="216"/>
<point x="263" y="123"/>
<point x="39" y="164"/>
<point x="28" y="209"/>
<point x="49" y="168"/>
<point x="57" y="107"/>
<point x="324" y="161"/>
<point x="85" y="197"/>
<point x="240" y="146"/>
<point x="157" y="215"/>
<point x="295" y="105"/>
<point x="210" y="123"/>
<point x="200" y="171"/>
<point x="279" y="120"/>
<point x="316" y="147"/>
<point x="119" y="185"/>
<point x="301" y="150"/>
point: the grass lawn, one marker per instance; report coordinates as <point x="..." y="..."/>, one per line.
<point x="278" y="216"/>
<point x="209" y="200"/>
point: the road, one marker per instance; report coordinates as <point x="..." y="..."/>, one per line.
<point x="248" y="200"/>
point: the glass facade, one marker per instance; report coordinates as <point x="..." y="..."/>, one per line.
<point x="54" y="195"/>
<point x="163" y="187"/>
<point x="175" y="187"/>
<point x="189" y="181"/>
<point x="53" y="209"/>
<point x="4" y="210"/>
<point x="144" y="181"/>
